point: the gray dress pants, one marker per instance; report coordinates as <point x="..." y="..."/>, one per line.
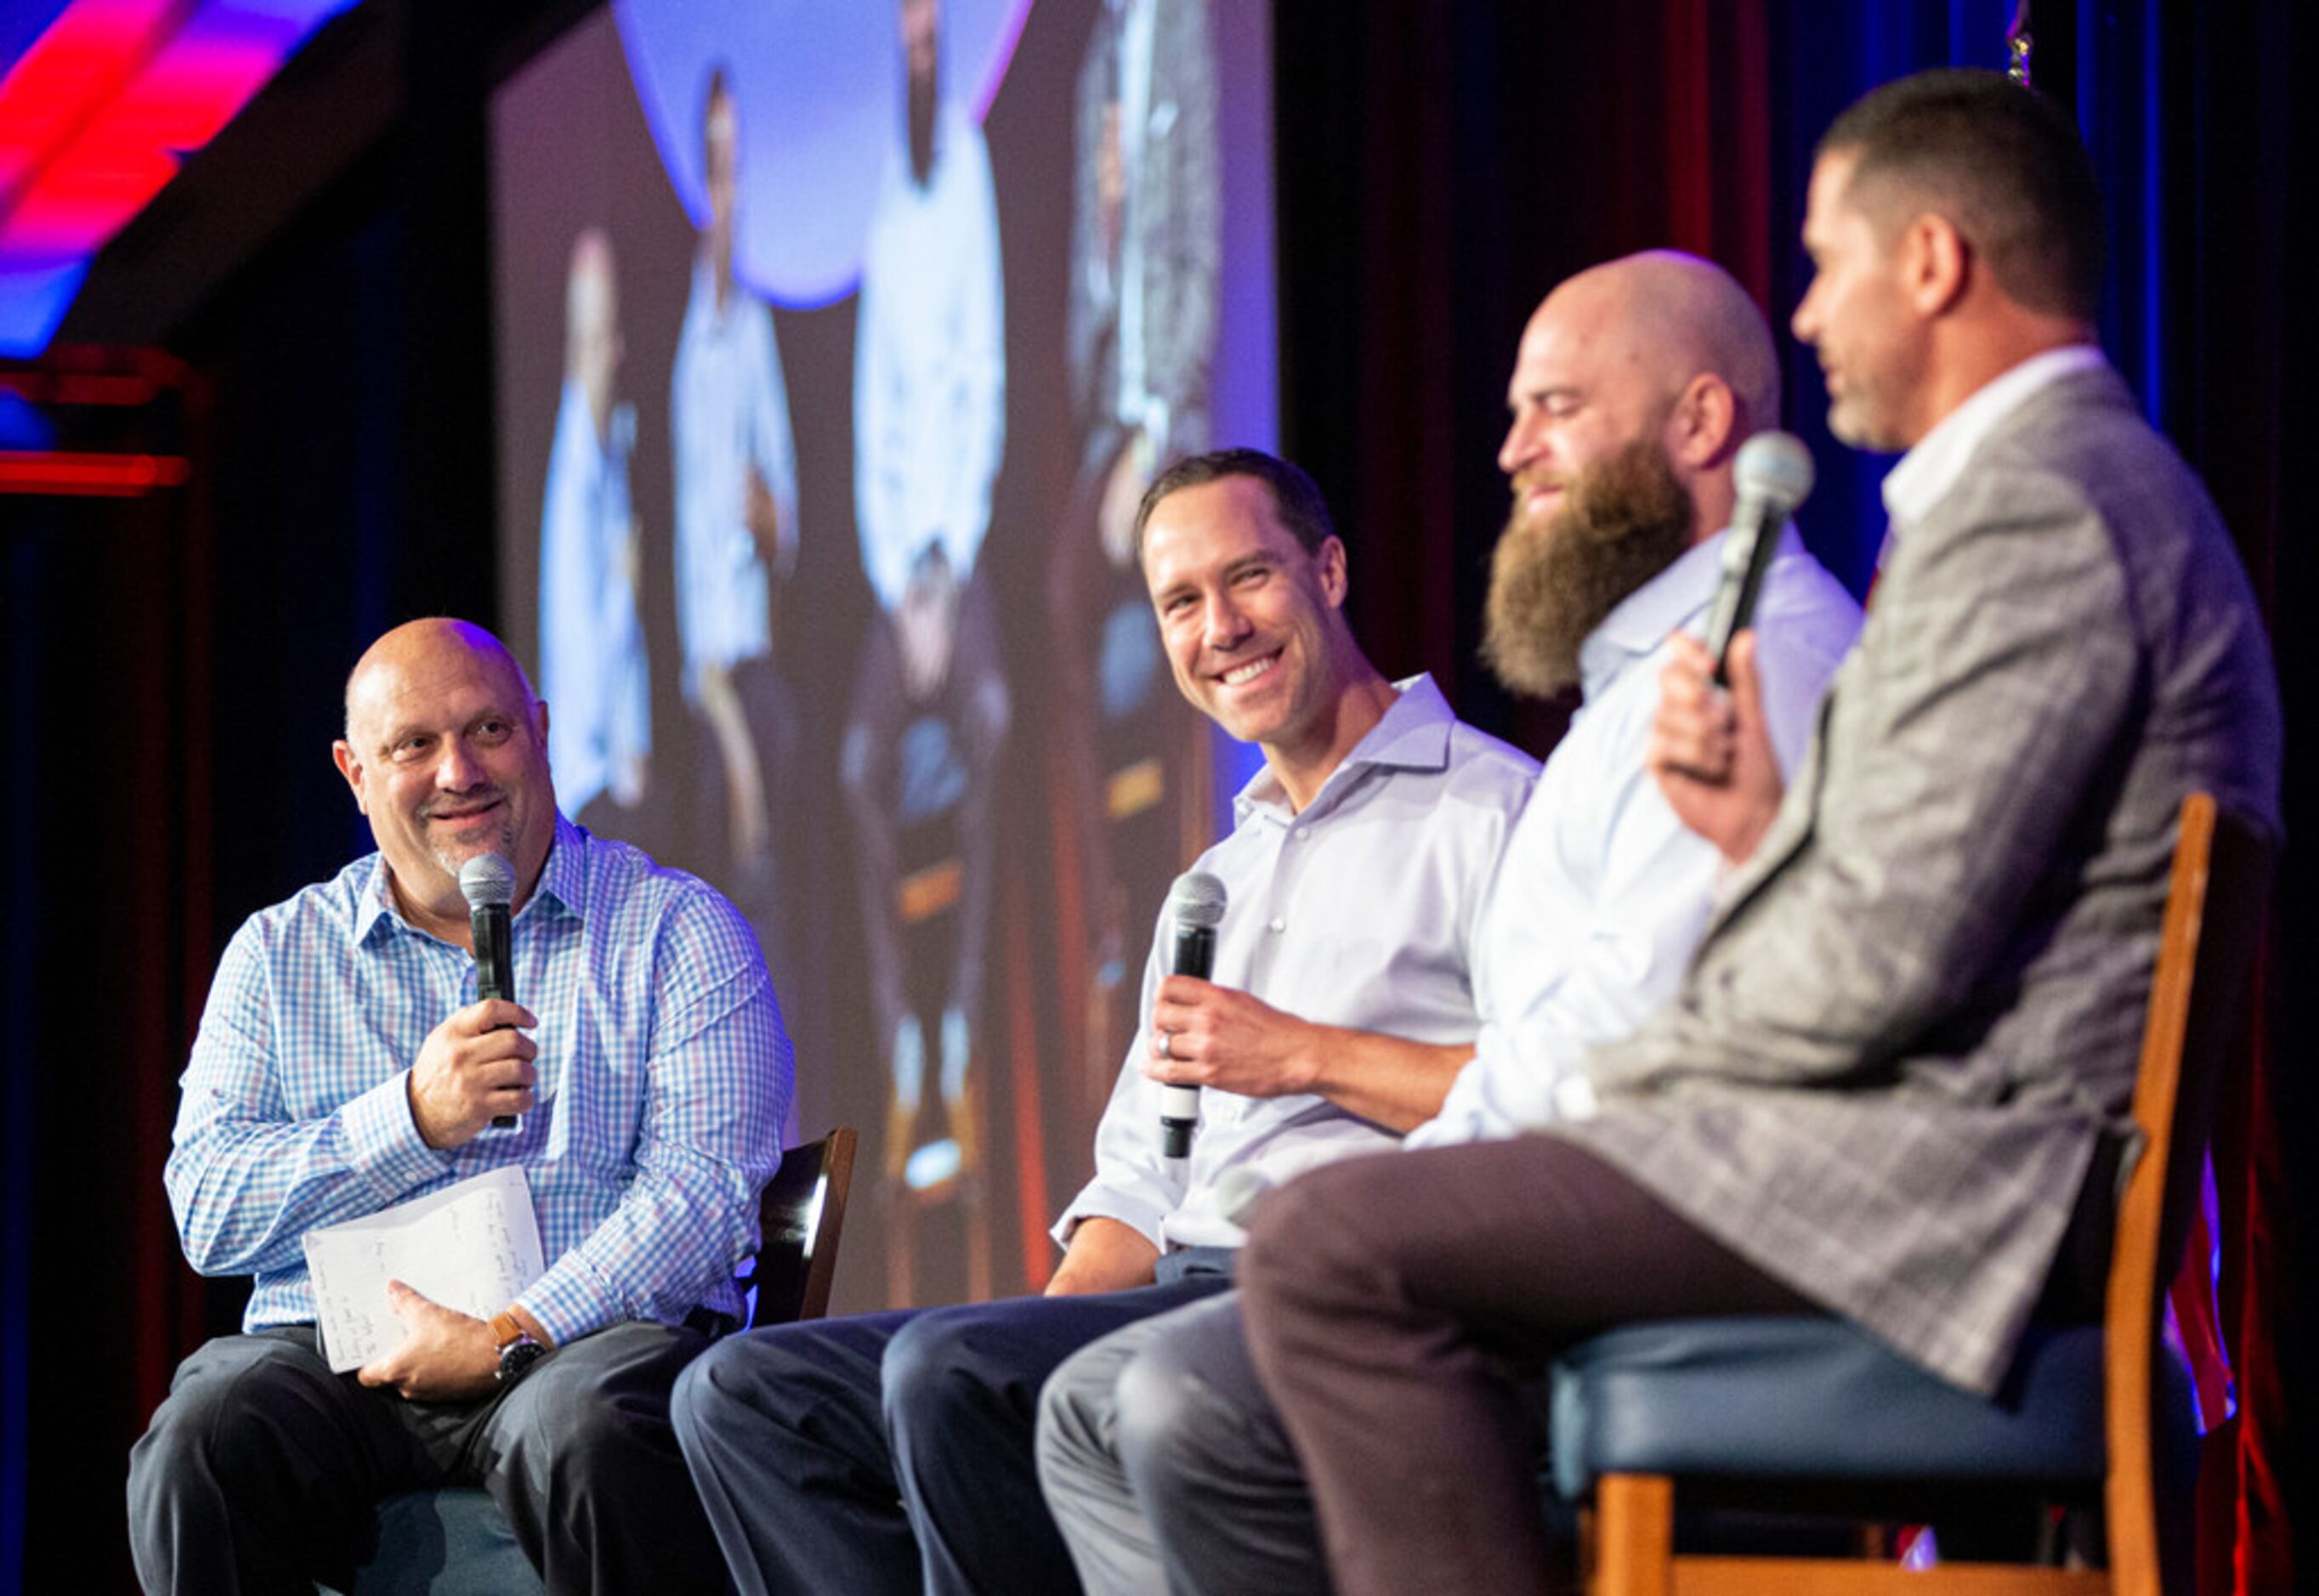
<point x="1166" y="1468"/>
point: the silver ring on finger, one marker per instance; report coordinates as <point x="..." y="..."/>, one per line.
<point x="1168" y="1044"/>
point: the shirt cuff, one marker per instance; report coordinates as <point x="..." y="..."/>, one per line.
<point x="570" y="1301"/>
<point x="384" y="1140"/>
<point x="1140" y="1217"/>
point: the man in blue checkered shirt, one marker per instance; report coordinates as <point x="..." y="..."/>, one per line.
<point x="344" y="1064"/>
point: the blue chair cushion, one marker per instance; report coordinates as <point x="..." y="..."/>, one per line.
<point x="1816" y="1399"/>
<point x="451" y="1542"/>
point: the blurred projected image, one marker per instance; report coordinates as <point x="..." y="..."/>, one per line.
<point x="846" y="618"/>
<point x="1146" y="253"/>
<point x="930" y="702"/>
<point x="737" y="539"/>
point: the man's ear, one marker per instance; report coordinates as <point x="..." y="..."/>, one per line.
<point x="349" y="765"/>
<point x="1333" y="582"/>
<point x="1703" y="424"/>
<point x="1936" y="262"/>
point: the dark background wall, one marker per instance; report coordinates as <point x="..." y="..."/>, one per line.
<point x="313" y="293"/>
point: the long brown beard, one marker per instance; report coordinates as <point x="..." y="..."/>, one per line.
<point x="1624" y="520"/>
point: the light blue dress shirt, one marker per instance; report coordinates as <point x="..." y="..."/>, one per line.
<point x="664" y="1078"/>
<point x="592" y="667"/>
<point x="1365" y="910"/>
<point x="729" y="412"/>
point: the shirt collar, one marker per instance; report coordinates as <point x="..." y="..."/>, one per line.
<point x="563" y="881"/>
<point x="1413" y="735"/>
<point x="1640" y="623"/>
<point x="1926" y="472"/>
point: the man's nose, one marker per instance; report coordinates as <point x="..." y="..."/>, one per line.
<point x="456" y="769"/>
<point x="1522" y="443"/>
<point x="1227" y="623"/>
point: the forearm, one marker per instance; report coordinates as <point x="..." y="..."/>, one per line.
<point x="1105" y="1254"/>
<point x="246" y="1189"/>
<point x="1384" y="1079"/>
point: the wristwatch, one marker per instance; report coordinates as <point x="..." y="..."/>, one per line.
<point x="519" y="1348"/>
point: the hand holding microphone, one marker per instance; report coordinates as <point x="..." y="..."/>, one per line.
<point x="1196" y="904"/>
<point x="1772" y="473"/>
<point x="1710" y="749"/>
<point x="487" y="882"/>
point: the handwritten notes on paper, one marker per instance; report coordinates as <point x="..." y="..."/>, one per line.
<point x="471" y="1246"/>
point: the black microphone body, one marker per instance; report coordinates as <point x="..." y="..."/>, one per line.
<point x="489" y="883"/>
<point x="1198" y="901"/>
<point x="1180" y="1107"/>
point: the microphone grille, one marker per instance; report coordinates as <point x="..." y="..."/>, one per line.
<point x="1775" y="469"/>
<point x="1197" y="899"/>
<point x="487" y="880"/>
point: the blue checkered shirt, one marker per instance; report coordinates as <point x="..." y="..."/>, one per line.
<point x="664" y="1079"/>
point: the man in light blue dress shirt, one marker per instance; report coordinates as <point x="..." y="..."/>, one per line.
<point x="344" y="1065"/>
<point x="892" y="1452"/>
<point x="1634" y="385"/>
<point x="592" y="665"/>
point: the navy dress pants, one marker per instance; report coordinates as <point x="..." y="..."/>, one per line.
<point x="892" y="1452"/>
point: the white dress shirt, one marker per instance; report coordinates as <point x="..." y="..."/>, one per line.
<point x="930" y="364"/>
<point x="1604" y="894"/>
<point x="1363" y="910"/>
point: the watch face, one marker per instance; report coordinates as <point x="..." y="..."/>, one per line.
<point x="517" y="1357"/>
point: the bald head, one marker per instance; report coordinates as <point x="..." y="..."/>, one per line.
<point x="1661" y="348"/>
<point x="1677" y="317"/>
<point x="591" y="320"/>
<point x="419" y="650"/>
<point x="447" y="753"/>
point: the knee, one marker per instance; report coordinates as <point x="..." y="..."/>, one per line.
<point x="1169" y="1423"/>
<point x="231" y="1409"/>
<point x="933" y="1371"/>
<point x="1076" y="1415"/>
<point x="1300" y="1235"/>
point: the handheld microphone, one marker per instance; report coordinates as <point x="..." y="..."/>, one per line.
<point x="1198" y="903"/>
<point x="1774" y="474"/>
<point x="488" y="883"/>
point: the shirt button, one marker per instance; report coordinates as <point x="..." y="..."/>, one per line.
<point x="1278" y="924"/>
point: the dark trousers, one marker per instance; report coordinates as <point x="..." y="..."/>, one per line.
<point x="1395" y="1306"/>
<point x="261" y="1468"/>
<point x="892" y="1452"/>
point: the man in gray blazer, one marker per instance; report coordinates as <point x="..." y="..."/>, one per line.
<point x="1894" y="1080"/>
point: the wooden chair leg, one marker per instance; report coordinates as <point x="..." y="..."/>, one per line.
<point x="1633" y="1537"/>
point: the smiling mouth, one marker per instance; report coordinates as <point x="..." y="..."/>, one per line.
<point x="1249" y="671"/>
<point x="464" y="814"/>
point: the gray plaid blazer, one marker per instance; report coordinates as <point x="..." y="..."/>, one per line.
<point x="1918" y="1010"/>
